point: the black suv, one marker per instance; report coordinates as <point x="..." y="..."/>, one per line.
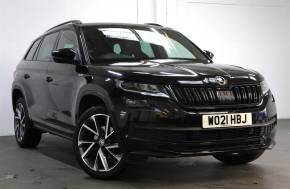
<point x="121" y="91"/>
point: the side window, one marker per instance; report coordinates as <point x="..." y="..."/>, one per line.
<point x="46" y="48"/>
<point x="31" y="52"/>
<point x="68" y="39"/>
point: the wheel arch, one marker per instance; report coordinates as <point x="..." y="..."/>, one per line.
<point x="17" y="92"/>
<point x="89" y="98"/>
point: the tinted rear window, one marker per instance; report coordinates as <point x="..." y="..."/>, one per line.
<point x="31" y="52"/>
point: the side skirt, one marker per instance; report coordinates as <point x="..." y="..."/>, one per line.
<point x="52" y="130"/>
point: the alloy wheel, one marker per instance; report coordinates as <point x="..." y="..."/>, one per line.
<point x="97" y="143"/>
<point x="19" y="118"/>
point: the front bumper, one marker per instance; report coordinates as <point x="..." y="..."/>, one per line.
<point x="159" y="127"/>
<point x="170" y="143"/>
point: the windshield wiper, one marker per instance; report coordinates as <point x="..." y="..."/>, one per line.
<point x="191" y="59"/>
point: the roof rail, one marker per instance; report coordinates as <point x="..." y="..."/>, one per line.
<point x="153" y="24"/>
<point x="68" y="22"/>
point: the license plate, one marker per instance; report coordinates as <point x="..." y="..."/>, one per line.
<point x="226" y="120"/>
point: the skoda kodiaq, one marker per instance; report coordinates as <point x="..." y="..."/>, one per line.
<point x="126" y="90"/>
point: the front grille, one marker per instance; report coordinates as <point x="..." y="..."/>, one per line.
<point x="204" y="96"/>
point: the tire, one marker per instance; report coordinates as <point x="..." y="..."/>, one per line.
<point x="26" y="136"/>
<point x="97" y="145"/>
<point x="238" y="158"/>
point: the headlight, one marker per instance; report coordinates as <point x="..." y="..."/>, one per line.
<point x="144" y="89"/>
<point x="264" y="86"/>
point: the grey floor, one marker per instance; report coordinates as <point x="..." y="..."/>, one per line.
<point x="53" y="166"/>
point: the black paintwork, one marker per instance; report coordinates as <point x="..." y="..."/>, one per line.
<point x="54" y="92"/>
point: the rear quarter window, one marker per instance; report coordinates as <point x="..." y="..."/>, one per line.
<point x="30" y="54"/>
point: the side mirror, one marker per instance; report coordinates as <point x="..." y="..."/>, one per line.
<point x="65" y="55"/>
<point x="209" y="54"/>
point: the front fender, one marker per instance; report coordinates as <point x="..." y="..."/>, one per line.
<point x="97" y="91"/>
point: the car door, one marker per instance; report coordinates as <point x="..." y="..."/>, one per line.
<point x="36" y="75"/>
<point x="63" y="86"/>
<point x="30" y="71"/>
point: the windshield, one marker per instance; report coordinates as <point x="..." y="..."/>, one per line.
<point x="109" y="44"/>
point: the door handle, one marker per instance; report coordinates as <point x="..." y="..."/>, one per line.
<point x="26" y="76"/>
<point x="49" y="79"/>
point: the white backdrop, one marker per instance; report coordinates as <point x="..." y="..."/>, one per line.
<point x="253" y="34"/>
<point x="240" y="32"/>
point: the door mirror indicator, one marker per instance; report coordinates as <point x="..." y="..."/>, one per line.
<point x="65" y="55"/>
